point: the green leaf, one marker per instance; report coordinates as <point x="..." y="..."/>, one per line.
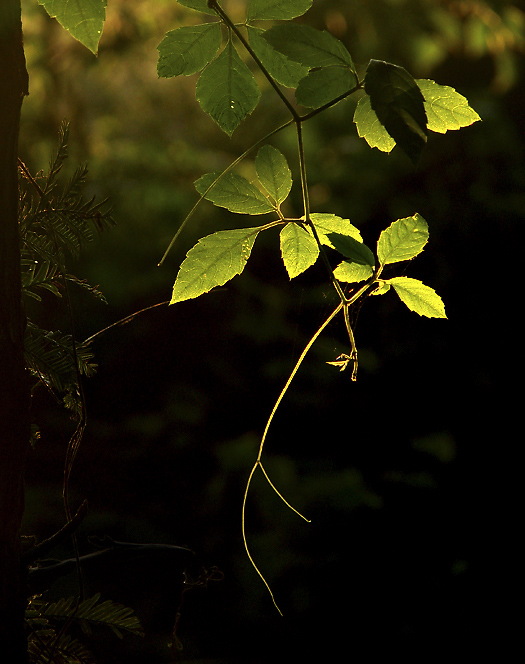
<point x="308" y="46"/>
<point x="282" y="69"/>
<point x="188" y="49"/>
<point x="341" y="235"/>
<point x="273" y="173"/>
<point x="213" y="261"/>
<point x="326" y="223"/>
<point x="323" y="85"/>
<point x="83" y="19"/>
<point x="227" y="90"/>
<point x="234" y="193"/>
<point x="198" y="6"/>
<point x="402" y="240"/>
<point x="369" y="127"/>
<point x="352" y="248"/>
<point x="446" y="109"/>
<point x="269" y="10"/>
<point x="399" y="104"/>
<point x="351" y="272"/>
<point x="299" y="249"/>
<point x="418" y="297"/>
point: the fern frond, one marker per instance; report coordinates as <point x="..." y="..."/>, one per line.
<point x="49" y="357"/>
<point x="82" y="283"/>
<point x="46" y="275"/>
<point x="58" y="158"/>
<point x="46" y="647"/>
<point x="92" y="612"/>
<point x="40" y="274"/>
<point x="56" y="218"/>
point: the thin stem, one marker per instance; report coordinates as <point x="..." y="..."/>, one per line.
<point x="226" y="170"/>
<point x="243" y="528"/>
<point x="306" y="207"/>
<point x="123" y="321"/>
<point x="261" y="447"/>
<point x="280" y="494"/>
<point x="333" y="102"/>
<point x="294" y="371"/>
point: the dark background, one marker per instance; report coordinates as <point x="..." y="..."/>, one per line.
<point x="401" y="472"/>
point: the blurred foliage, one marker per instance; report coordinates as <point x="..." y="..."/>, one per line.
<point x="175" y="412"/>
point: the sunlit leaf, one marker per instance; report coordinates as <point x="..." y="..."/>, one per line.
<point x="262" y="10"/>
<point x="227" y="90"/>
<point x="369" y="127"/>
<point x="399" y="105"/>
<point x="273" y="173"/>
<point x="351" y="272"/>
<point x="402" y="240"/>
<point x="418" y="297"/>
<point x="188" y="49"/>
<point x="282" y="69"/>
<point x="213" y="261"/>
<point x="310" y="47"/>
<point x="323" y="85"/>
<point x="326" y="222"/>
<point x="446" y="109"/>
<point x="234" y="193"/>
<point x="83" y="19"/>
<point x="299" y="249"/>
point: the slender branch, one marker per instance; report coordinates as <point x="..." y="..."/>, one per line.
<point x="42" y="549"/>
<point x="306" y="207"/>
<point x="333" y="102"/>
<point x="123" y="321"/>
<point x="261" y="447"/>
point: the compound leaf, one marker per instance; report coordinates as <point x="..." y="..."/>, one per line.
<point x="446" y="109"/>
<point x="234" y="193"/>
<point x="323" y="85"/>
<point x="269" y="10"/>
<point x="308" y="46"/>
<point x="399" y="105"/>
<point x="299" y="249"/>
<point x="418" y="297"/>
<point x="213" y="261"/>
<point x="109" y="613"/>
<point x="273" y="173"/>
<point x="282" y="69"/>
<point x="188" y="49"/>
<point x="83" y="19"/>
<point x="402" y="240"/>
<point x="227" y="90"/>
<point x="369" y="127"/>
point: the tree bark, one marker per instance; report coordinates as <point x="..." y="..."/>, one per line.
<point x="14" y="386"/>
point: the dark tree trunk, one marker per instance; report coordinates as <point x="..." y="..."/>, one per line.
<point x="14" y="388"/>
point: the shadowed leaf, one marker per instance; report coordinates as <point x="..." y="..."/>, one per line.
<point x="399" y="105"/>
